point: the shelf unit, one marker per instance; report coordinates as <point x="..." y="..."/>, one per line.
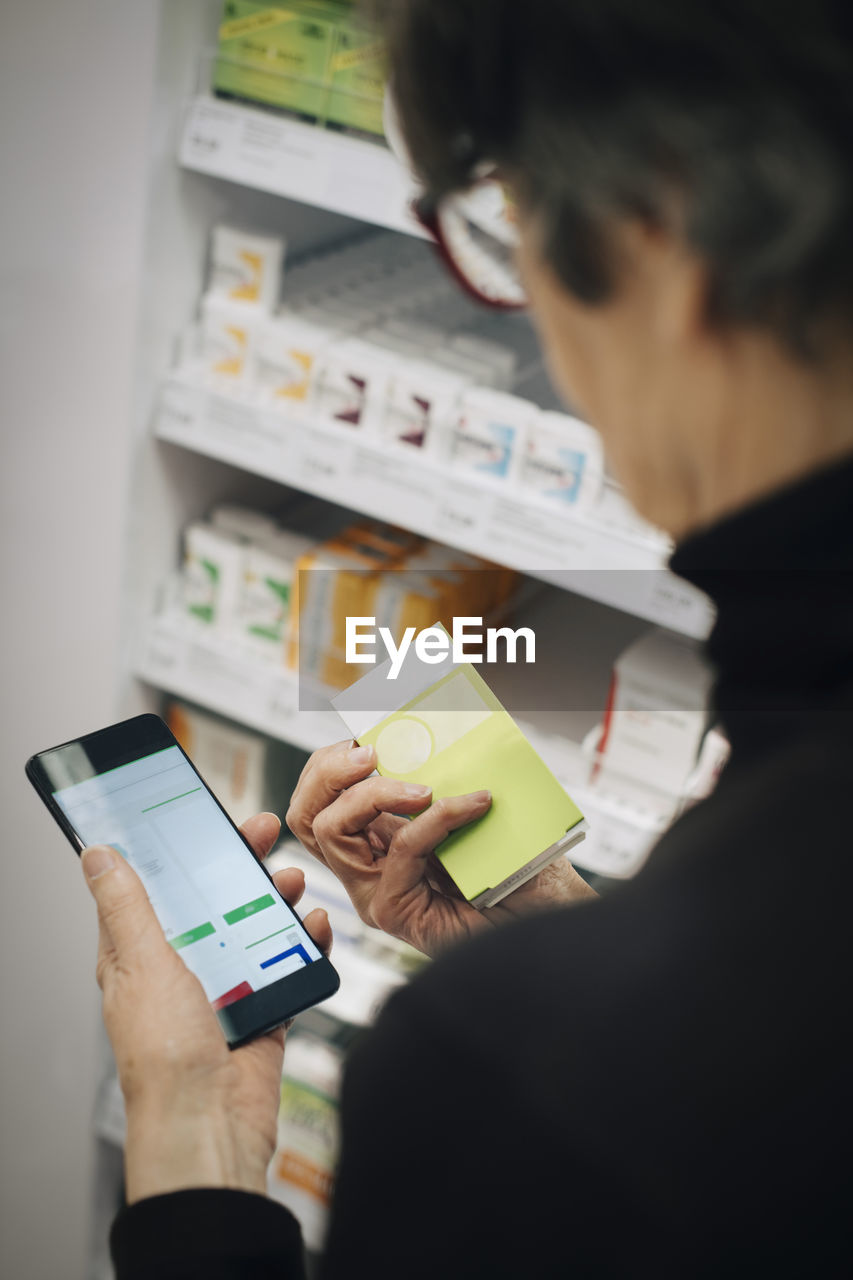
<point x="599" y="553"/>
<point x="268" y="151"/>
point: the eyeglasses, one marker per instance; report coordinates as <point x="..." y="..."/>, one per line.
<point x="476" y="234"/>
<point x="475" y="231"/>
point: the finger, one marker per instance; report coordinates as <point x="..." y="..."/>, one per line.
<point x="317" y="924"/>
<point x="318" y="760"/>
<point x="125" y="915"/>
<point x="362" y="804"/>
<point x="325" y="777"/>
<point x="381" y="832"/>
<point x="318" y="757"/>
<point x="290" y="882"/>
<point x="409" y="861"/>
<point x="261" y="831"/>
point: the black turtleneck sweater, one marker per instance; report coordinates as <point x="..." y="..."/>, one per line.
<point x="654" y="1084"/>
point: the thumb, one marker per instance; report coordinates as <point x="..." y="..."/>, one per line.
<point x="126" y="916"/>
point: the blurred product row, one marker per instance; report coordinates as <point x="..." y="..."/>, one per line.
<point x="285" y="596"/>
<point x="280" y="597"/>
<point x="370" y="337"/>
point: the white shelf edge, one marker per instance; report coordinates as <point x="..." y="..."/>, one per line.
<point x="267" y="151"/>
<point x="577" y="552"/>
<point x="192" y="662"/>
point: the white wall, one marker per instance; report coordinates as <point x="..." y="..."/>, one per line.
<point x="75" y="89"/>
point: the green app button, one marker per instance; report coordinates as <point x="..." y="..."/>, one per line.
<point x="192" y="935"/>
<point x="248" y="909"/>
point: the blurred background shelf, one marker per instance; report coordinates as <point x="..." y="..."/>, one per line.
<point x="594" y="553"/>
<point x="271" y="152"/>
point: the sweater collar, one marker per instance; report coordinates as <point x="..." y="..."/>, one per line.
<point x="780" y="574"/>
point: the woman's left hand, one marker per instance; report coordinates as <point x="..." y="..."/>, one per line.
<point x="198" y="1113"/>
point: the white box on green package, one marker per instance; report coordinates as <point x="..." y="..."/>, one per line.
<point x="263" y="613"/>
<point x="212" y="574"/>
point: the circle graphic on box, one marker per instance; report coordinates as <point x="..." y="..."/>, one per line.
<point x="403" y="745"/>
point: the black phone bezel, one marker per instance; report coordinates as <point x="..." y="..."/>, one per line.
<point x="250" y="1016"/>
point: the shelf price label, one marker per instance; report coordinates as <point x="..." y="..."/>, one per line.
<point x="208" y="138"/>
<point x="281" y="707"/>
<point x="460" y="513"/>
<point x="680" y="606"/>
<point x="178" y="410"/>
<point x="323" y="464"/>
<point x="160" y="656"/>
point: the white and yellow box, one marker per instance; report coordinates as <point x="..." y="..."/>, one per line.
<point x="245" y="267"/>
<point x="562" y="461"/>
<point x="228" y="336"/>
<point x="288" y="354"/>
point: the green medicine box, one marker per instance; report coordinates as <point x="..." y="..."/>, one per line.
<point x="305" y="56"/>
<point x="440" y="724"/>
<point x="277" y="56"/>
<point x="358" y="76"/>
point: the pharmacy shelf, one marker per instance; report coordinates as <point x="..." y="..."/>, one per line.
<point x="190" y="660"/>
<point x="599" y="554"/>
<point x="194" y="662"/>
<point x="271" y="152"/>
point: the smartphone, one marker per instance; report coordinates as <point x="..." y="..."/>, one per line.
<point x="133" y="787"/>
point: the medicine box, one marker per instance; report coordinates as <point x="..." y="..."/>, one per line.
<point x="276" y="55"/>
<point x="420" y="404"/>
<point x="562" y="460"/>
<point x="212" y="574"/>
<point x="288" y="352"/>
<point x="268" y="587"/>
<point x="228" y="336"/>
<point x="358" y="72"/>
<point x="352" y="384"/>
<point x="314" y="57"/>
<point x="488" y="433"/>
<point x="657" y="710"/>
<point x="245" y="266"/>
<point x="439" y="724"/>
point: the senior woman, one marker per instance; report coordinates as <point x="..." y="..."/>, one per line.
<point x="655" y="1083"/>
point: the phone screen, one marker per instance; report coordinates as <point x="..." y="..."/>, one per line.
<point x="215" y="903"/>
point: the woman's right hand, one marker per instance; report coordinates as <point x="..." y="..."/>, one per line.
<point x="360" y="827"/>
